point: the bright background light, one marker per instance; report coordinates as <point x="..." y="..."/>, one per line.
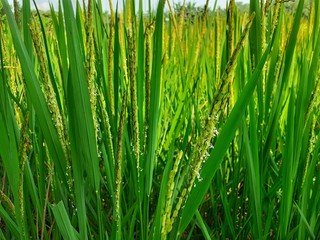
<point x="44" y="4"/>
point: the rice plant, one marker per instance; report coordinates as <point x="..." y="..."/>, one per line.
<point x="166" y="123"/>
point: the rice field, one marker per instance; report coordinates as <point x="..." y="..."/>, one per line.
<point x="146" y="123"/>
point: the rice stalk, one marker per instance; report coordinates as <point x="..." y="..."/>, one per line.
<point x="181" y="22"/>
<point x="173" y="17"/>
<point x="6" y="200"/>
<point x="217" y="50"/>
<point x="24" y="146"/>
<point x="123" y="51"/>
<point x="90" y="64"/>
<point x="267" y="5"/>
<point x="205" y="11"/>
<point x="17" y="12"/>
<point x="15" y="73"/>
<point x="46" y="203"/>
<point x="148" y="32"/>
<point x="106" y="120"/>
<point x="84" y="9"/>
<point x="221" y="93"/>
<point x="48" y="89"/>
<point x="199" y="41"/>
<point x="230" y="24"/>
<point x="133" y="95"/>
<point x="110" y="57"/>
<point x="263" y="46"/>
<point x="119" y="165"/>
<point x="167" y="221"/>
<point x="263" y="25"/>
<point x="230" y="31"/>
<point x="275" y="16"/>
<point x="50" y="96"/>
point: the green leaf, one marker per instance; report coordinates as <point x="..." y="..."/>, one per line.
<point x="155" y="90"/>
<point x="63" y="222"/>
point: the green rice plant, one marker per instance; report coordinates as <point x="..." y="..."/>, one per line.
<point x="186" y="123"/>
<point x="110" y="55"/>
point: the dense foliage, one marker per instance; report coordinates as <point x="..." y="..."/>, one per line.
<point x="196" y="124"/>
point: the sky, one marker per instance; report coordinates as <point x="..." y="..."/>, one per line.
<point x="44" y="4"/>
